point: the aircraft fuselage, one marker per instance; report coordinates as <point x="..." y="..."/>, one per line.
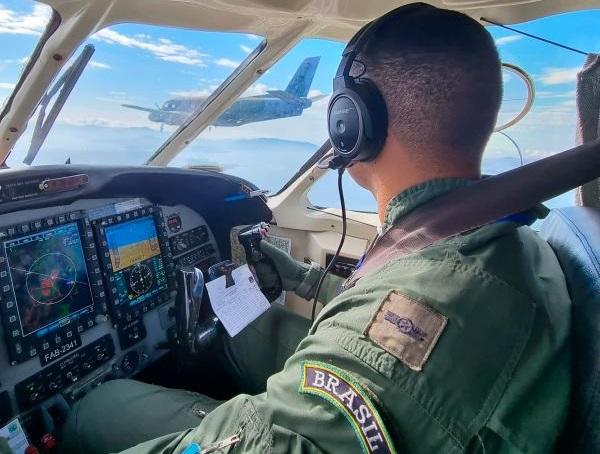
<point x="245" y="110"/>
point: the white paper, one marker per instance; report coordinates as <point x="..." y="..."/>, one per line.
<point x="14" y="434"/>
<point x="240" y="304"/>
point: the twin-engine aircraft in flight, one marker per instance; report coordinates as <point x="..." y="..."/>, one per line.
<point x="274" y="104"/>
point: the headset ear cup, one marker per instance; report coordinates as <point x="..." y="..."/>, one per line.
<point x="375" y="119"/>
<point x="357" y="121"/>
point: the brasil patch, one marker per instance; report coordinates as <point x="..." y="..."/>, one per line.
<point x="338" y="388"/>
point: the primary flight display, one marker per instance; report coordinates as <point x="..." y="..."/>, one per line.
<point x="135" y="256"/>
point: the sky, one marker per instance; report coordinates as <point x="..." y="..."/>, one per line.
<point x="147" y="65"/>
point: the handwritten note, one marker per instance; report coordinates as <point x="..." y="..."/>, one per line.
<point x="240" y="304"/>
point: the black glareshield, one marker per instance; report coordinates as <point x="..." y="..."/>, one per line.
<point x="250" y="239"/>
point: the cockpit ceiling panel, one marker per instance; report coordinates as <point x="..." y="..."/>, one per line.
<point x="336" y="19"/>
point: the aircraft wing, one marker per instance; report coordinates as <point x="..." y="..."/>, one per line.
<point x="143" y="109"/>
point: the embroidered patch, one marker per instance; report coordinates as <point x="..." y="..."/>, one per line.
<point x="336" y="386"/>
<point x="406" y="328"/>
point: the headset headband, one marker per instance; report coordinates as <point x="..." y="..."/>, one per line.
<point x="362" y="37"/>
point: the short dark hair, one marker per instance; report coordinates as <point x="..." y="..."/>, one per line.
<point x="439" y="73"/>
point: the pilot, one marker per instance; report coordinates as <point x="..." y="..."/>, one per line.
<point x="460" y="347"/>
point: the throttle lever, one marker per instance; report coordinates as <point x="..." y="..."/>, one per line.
<point x="190" y="290"/>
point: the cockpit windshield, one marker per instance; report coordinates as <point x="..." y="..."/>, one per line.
<point x="139" y="85"/>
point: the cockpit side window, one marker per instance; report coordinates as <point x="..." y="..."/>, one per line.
<point x="550" y="125"/>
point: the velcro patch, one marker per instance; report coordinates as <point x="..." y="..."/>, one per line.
<point x="406" y="329"/>
<point x="338" y="388"/>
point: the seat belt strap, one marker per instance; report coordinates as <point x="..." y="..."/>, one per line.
<point x="482" y="203"/>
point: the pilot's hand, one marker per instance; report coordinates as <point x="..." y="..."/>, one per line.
<point x="4" y="446"/>
<point x="295" y="276"/>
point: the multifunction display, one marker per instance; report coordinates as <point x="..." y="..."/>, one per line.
<point x="137" y="261"/>
<point x="51" y="285"/>
<point x="137" y="265"/>
<point x="49" y="278"/>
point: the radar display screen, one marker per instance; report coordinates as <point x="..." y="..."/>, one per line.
<point x="136" y="261"/>
<point x="49" y="278"/>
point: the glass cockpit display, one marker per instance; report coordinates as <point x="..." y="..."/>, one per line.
<point x="135" y="256"/>
<point x="50" y="285"/>
<point x="49" y="278"/>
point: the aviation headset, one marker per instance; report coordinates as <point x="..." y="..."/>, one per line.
<point x="357" y="116"/>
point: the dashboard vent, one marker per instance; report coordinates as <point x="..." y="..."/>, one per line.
<point x="344" y="266"/>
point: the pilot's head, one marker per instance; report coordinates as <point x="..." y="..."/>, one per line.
<point x="440" y="77"/>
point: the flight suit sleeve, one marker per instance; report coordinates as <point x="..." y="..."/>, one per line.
<point x="296" y="276"/>
<point x="324" y="400"/>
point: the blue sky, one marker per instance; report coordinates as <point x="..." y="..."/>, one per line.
<point x="146" y="65"/>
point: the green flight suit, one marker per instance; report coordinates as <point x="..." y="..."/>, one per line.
<point x="461" y="347"/>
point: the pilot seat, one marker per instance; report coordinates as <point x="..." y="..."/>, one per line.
<point x="574" y="235"/>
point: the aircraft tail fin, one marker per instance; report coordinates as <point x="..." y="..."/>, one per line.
<point x="302" y="80"/>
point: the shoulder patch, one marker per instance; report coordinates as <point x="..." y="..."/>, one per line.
<point x="338" y="388"/>
<point x="406" y="328"/>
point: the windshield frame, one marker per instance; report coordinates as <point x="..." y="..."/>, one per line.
<point x="51" y="27"/>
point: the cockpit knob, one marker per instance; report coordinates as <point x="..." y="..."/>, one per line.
<point x="31" y="450"/>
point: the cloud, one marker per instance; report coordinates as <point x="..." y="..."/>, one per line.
<point x="10" y="61"/>
<point x="312" y="93"/>
<point x="245" y="49"/>
<point x="257" y="89"/>
<point x="554" y="95"/>
<point x="33" y="23"/>
<point x="163" y="49"/>
<point x="507" y="40"/>
<point x="106" y="114"/>
<point x="6" y="86"/>
<point x="558" y="76"/>
<point x="544" y="120"/>
<point x="227" y="63"/>
<point x="99" y="65"/>
<point x="103" y="122"/>
<point x="200" y="93"/>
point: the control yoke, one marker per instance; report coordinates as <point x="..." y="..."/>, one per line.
<point x="193" y="336"/>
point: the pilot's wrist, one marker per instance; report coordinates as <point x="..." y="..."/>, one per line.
<point x="308" y="286"/>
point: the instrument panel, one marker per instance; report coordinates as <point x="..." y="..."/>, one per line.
<point x="85" y="294"/>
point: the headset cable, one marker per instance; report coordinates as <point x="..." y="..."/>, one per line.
<point x="339" y="249"/>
